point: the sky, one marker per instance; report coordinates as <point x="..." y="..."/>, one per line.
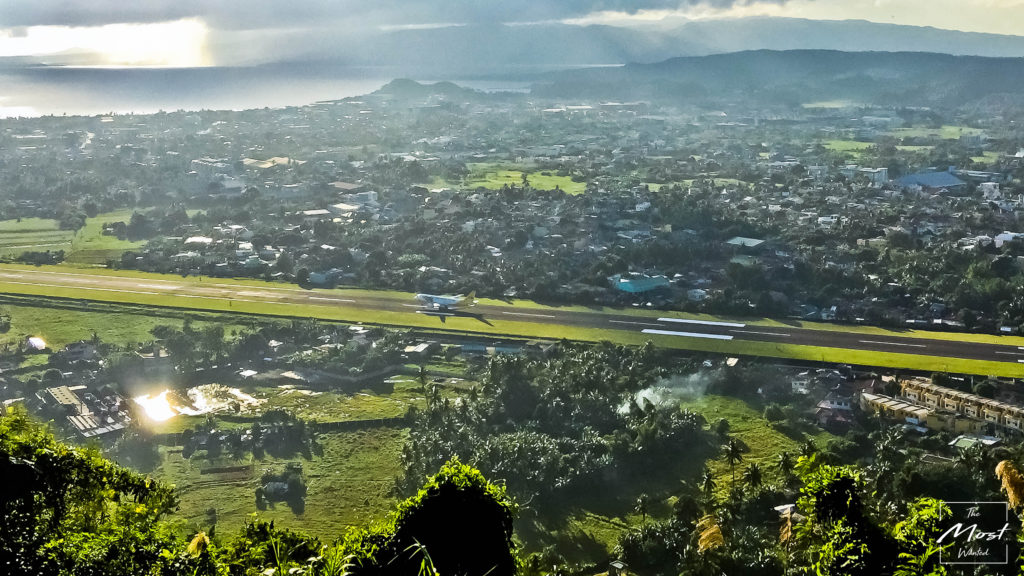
<point x="191" y="33"/>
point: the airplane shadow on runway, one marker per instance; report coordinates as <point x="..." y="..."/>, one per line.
<point x="443" y="316"/>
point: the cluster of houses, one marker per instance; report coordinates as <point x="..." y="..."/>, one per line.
<point x="928" y="406"/>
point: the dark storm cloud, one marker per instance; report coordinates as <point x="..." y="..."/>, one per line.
<point x="257" y="14"/>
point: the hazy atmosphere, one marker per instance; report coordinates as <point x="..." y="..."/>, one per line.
<point x="522" y="288"/>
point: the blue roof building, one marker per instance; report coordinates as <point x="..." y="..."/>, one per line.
<point x="933" y="180"/>
<point x="639" y="284"/>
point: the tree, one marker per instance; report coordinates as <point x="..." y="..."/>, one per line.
<point x="65" y="506"/>
<point x="642" y="502"/>
<point x="733" y="455"/>
<point x="784" y="465"/>
<point x="286" y="264"/>
<point x="752" y="476"/>
<point x="708" y="484"/>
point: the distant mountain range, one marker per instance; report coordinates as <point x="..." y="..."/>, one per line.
<point x="797" y="77"/>
<point x="504" y="50"/>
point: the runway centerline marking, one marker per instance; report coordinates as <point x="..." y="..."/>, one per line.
<point x="1010" y="353"/>
<point x="702" y="322"/>
<point x="530" y="315"/>
<point x="779" y="334"/>
<point x="635" y="323"/>
<point x="892" y="343"/>
<point x="687" y="334"/>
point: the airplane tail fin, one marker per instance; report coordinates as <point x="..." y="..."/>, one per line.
<point x="472" y="298"/>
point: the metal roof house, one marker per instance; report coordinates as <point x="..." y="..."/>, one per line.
<point x="931" y="180"/>
<point x="638" y="284"/>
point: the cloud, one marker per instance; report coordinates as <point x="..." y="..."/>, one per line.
<point x="256" y="14"/>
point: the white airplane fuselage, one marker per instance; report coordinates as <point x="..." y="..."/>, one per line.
<point x="436" y="302"/>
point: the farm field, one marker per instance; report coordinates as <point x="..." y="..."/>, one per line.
<point x="86" y="247"/>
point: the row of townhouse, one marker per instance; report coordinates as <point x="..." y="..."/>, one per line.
<point x="921" y="416"/>
<point x="1000" y="414"/>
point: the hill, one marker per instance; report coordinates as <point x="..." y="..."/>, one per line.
<point x="799" y="77"/>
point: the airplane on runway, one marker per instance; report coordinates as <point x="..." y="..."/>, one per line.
<point x="445" y="303"/>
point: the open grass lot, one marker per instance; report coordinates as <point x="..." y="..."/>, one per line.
<point x="391" y="400"/>
<point x="987" y="157"/>
<point x="349" y="485"/>
<point x="915" y="148"/>
<point x="91" y="247"/>
<point x="32" y="235"/>
<point x="945" y="132"/>
<point x="493" y="176"/>
<point x="851" y="147"/>
<point x="59" y="326"/>
<point x="87" y="246"/>
<point x="748" y="425"/>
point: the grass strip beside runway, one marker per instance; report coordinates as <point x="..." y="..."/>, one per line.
<point x="498" y="327"/>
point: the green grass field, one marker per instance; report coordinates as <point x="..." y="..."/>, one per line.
<point x="945" y="132"/>
<point x="494" y="176"/>
<point x="987" y="157"/>
<point x="849" y="147"/>
<point x="61" y="326"/>
<point x="747" y="424"/>
<point x="350" y="485"/>
<point x="87" y="246"/>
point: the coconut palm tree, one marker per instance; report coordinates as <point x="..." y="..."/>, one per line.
<point x="708" y="484"/>
<point x="642" y="503"/>
<point x="784" y="465"/>
<point x="752" y="476"/>
<point x="733" y="455"/>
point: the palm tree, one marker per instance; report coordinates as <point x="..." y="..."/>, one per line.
<point x="642" y="501"/>
<point x="808" y="448"/>
<point x="708" y="484"/>
<point x="421" y="374"/>
<point x="752" y="476"/>
<point x="784" y="465"/>
<point x="710" y="534"/>
<point x="1012" y="483"/>
<point x="734" y="455"/>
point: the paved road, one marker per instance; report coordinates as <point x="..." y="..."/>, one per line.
<point x="101" y="287"/>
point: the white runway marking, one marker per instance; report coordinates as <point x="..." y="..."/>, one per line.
<point x="780" y="335"/>
<point x="635" y="323"/>
<point x="530" y="315"/>
<point x="1010" y="353"/>
<point x="257" y="295"/>
<point x="331" y="299"/>
<point x="892" y="343"/>
<point x="687" y="334"/>
<point x="86" y="288"/>
<point x="702" y="322"/>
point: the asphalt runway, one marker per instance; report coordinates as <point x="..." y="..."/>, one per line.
<point x="103" y="287"/>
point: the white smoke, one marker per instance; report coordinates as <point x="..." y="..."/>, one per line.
<point x="673" y="390"/>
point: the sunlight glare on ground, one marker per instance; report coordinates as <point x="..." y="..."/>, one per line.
<point x="157" y="408"/>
